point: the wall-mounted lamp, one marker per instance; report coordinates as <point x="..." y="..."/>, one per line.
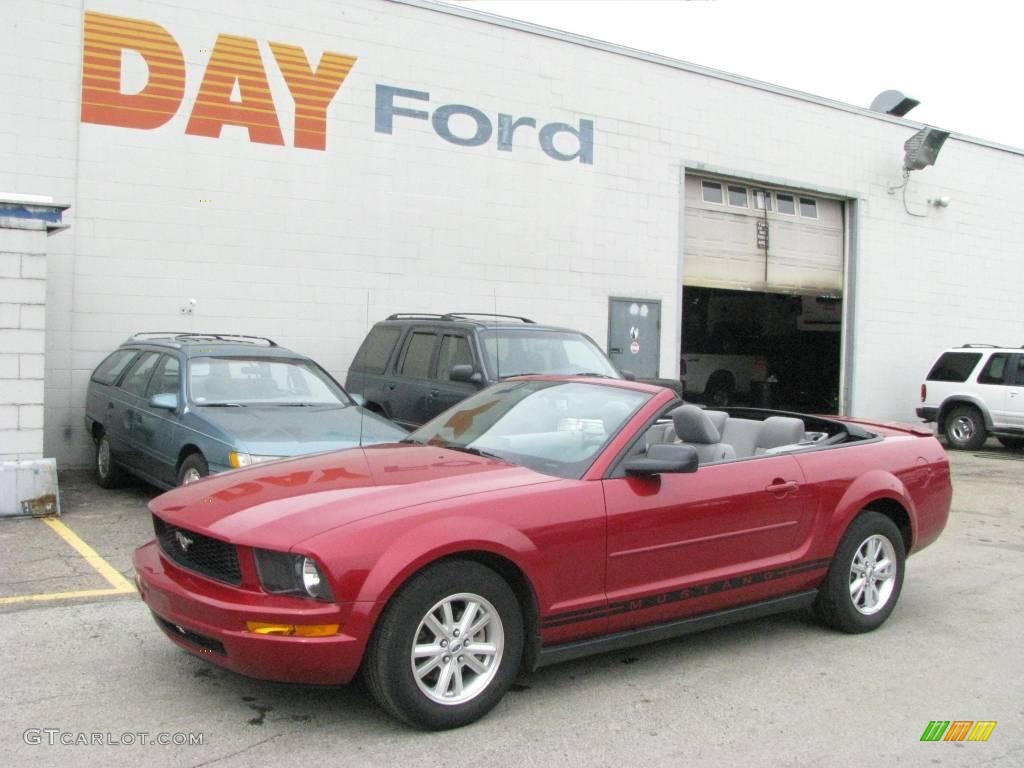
<point x="920" y="151"/>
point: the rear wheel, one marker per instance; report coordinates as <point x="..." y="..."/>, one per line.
<point x="866" y="575"/>
<point x="108" y="473"/>
<point x="965" y="428"/>
<point x="193" y="468"/>
<point x="1013" y="443"/>
<point x="447" y="647"/>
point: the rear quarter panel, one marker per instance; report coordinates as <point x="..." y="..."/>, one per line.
<point x="911" y="470"/>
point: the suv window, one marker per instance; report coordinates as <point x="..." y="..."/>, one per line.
<point x="166" y="379"/>
<point x="110" y="369"/>
<point x="454" y="351"/>
<point x="998" y="369"/>
<point x="954" y="366"/>
<point x="373" y="356"/>
<point x="418" y="352"/>
<point x="137" y="378"/>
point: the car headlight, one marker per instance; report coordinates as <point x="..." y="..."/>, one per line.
<point x="237" y="459"/>
<point x="290" y="574"/>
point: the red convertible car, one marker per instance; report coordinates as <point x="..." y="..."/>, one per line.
<point x="540" y="520"/>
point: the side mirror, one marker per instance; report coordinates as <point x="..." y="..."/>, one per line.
<point x="627" y="375"/>
<point x="664" y="459"/>
<point x="465" y="373"/>
<point x="358" y="399"/>
<point x="168" y="401"/>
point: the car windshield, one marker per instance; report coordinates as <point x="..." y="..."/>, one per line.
<point x="553" y="427"/>
<point x="514" y="352"/>
<point x="241" y="381"/>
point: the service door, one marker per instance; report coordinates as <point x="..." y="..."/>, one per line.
<point x="634" y="335"/>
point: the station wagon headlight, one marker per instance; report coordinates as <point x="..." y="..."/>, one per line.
<point x="237" y="459"/>
<point x="285" y="573"/>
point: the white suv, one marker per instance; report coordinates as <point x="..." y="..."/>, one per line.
<point x="975" y="391"/>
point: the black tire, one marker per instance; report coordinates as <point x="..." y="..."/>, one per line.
<point x="107" y="471"/>
<point x="1013" y="443"/>
<point x="388" y="667"/>
<point x="719" y="391"/>
<point x="835" y="604"/>
<point x="193" y="462"/>
<point x="964" y="428"/>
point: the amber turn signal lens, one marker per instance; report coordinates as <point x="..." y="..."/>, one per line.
<point x="292" y="630"/>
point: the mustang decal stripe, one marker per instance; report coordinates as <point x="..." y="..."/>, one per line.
<point x="701" y="590"/>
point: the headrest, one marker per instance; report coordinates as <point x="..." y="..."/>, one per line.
<point x="718" y="418"/>
<point x="780" y="430"/>
<point x="692" y="425"/>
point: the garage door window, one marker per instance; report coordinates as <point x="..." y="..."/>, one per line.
<point x="762" y="200"/>
<point x="786" y="204"/>
<point x="711" y="192"/>
<point x="808" y="208"/>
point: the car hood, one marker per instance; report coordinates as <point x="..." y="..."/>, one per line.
<point x="269" y="430"/>
<point x="278" y="504"/>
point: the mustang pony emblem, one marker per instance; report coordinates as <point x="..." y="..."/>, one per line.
<point x="183" y="541"/>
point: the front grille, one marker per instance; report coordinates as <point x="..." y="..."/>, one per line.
<point x="202" y="641"/>
<point x="210" y="557"/>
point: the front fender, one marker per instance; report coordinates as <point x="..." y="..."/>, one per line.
<point x="433" y="541"/>
<point x="872" y="486"/>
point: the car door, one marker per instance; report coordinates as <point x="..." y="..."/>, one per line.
<point x="1015" y="393"/>
<point x="453" y="350"/>
<point x="130" y="397"/>
<point x="157" y="430"/>
<point x="412" y="383"/>
<point x="682" y="544"/>
<point x="999" y="389"/>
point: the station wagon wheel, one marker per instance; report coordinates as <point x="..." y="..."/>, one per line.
<point x="447" y="647"/>
<point x="193" y="468"/>
<point x="865" y="577"/>
<point x="108" y="473"/>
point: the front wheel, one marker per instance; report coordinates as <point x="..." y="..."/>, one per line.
<point x="866" y="575"/>
<point x="193" y="468"/>
<point x="965" y="428"/>
<point x="447" y="647"/>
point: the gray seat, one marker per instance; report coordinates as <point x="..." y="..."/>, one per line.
<point x="742" y="435"/>
<point x="778" y="432"/>
<point x="694" y="427"/>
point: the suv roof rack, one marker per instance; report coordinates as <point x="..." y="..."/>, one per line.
<point x="454" y="316"/>
<point x="239" y="338"/>
<point x="985" y="346"/>
<point x="471" y="315"/>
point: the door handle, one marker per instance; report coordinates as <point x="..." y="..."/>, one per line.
<point x="778" y="485"/>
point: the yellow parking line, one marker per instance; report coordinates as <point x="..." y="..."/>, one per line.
<point x="118" y="583"/>
<point x="62" y="595"/>
<point x="105" y="569"/>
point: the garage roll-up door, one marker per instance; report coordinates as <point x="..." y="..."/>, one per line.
<point x="728" y="228"/>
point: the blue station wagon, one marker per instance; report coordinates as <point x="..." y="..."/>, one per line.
<point x="171" y="408"/>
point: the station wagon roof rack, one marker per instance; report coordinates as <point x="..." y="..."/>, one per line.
<point x="454" y="316"/>
<point x="239" y="338"/>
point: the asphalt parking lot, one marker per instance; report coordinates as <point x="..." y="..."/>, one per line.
<point x="82" y="656"/>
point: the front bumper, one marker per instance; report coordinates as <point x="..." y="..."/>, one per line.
<point x="927" y="414"/>
<point x="208" y="619"/>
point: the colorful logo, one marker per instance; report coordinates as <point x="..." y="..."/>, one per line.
<point x="958" y="730"/>
<point x="235" y="66"/>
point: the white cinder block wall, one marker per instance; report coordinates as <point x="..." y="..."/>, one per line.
<point x="311" y="246"/>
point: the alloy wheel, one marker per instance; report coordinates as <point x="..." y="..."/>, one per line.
<point x="872" y="574"/>
<point x="457" y="649"/>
